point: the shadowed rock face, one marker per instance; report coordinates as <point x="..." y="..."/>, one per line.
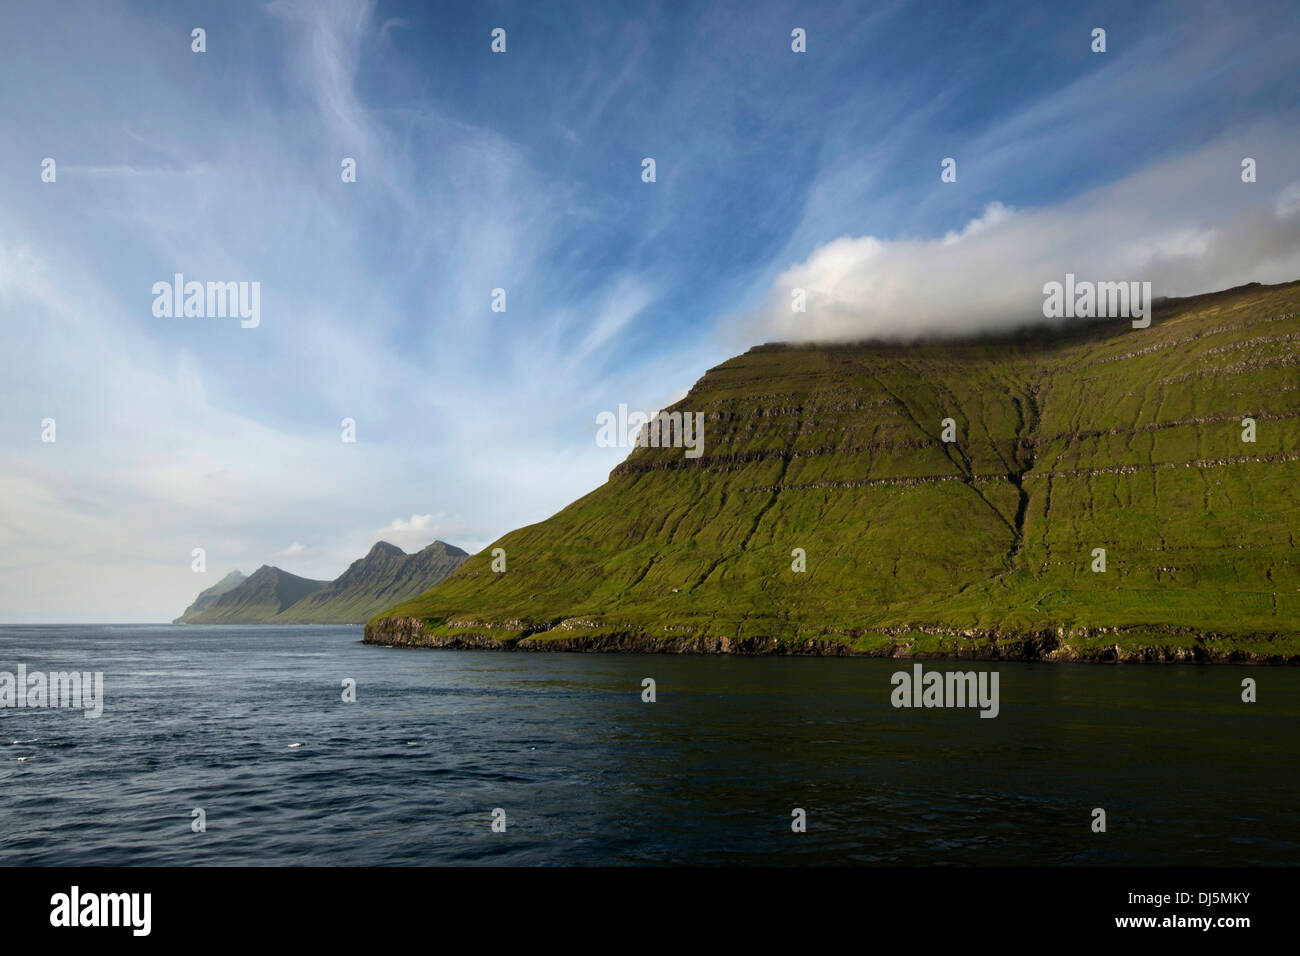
<point x="1100" y="436"/>
<point x="384" y="576"/>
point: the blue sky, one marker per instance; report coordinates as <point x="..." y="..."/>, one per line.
<point x="522" y="171"/>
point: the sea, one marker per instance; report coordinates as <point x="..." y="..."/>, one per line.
<point x="234" y="746"/>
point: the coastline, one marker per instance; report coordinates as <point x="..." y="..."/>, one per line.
<point x="1093" y="646"/>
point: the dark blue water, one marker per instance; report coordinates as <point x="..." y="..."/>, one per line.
<point x="207" y="717"/>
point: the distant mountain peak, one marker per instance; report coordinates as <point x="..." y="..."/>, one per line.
<point x="442" y="547"/>
<point x="386" y="576"/>
<point x="207" y="596"/>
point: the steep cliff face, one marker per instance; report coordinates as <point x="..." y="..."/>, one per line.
<point x="834" y="459"/>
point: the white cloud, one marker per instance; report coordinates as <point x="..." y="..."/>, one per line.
<point x="1188" y="225"/>
<point x="421" y="530"/>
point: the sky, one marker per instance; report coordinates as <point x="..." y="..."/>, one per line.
<point x="523" y="171"/>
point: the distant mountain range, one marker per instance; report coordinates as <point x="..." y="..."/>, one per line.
<point x="206" y="597"/>
<point x="1090" y="492"/>
<point x="384" y="577"/>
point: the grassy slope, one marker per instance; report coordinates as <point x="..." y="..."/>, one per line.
<point x="370" y="584"/>
<point x="1110" y="437"/>
<point x="345" y="609"/>
<point x="205" y="597"/>
<point x="259" y="598"/>
<point x="350" y="606"/>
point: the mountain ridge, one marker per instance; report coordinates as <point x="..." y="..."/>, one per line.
<point x="386" y="574"/>
<point x="232" y="580"/>
<point x="1090" y="436"/>
<point x="266" y="592"/>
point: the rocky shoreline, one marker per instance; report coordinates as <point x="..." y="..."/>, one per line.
<point x="1056" y="646"/>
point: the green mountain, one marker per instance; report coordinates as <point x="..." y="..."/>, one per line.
<point x="206" y="597"/>
<point x="1096" y="436"/>
<point x="385" y="576"/>
<point x="263" y="595"/>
